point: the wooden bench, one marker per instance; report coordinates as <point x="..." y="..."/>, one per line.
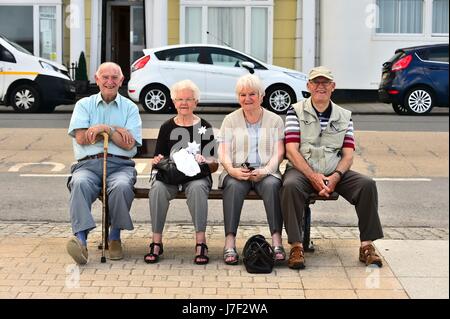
<point x="146" y="151"/>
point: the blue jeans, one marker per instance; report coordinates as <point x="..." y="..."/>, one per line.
<point x="85" y="185"/>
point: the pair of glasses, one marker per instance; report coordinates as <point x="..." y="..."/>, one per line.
<point x="188" y="100"/>
<point x="318" y="83"/>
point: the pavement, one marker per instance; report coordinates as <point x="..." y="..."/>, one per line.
<point x="34" y="264"/>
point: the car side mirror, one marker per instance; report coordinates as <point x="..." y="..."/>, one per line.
<point x="249" y="66"/>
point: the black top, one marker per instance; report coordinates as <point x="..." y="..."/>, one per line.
<point x="172" y="138"/>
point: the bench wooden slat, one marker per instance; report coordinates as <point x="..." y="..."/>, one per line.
<point x="217" y="194"/>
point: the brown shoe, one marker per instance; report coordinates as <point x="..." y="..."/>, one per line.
<point x="296" y="258"/>
<point x="77" y="251"/>
<point x="368" y="256"/>
<point x="115" y="250"/>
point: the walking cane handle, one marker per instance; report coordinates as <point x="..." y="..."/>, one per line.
<point x="105" y="140"/>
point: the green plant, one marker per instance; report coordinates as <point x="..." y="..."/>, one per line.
<point x="81" y="71"/>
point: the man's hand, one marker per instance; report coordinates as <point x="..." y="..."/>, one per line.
<point x="126" y="136"/>
<point x="93" y="132"/>
<point x="331" y="182"/>
<point x="318" y="181"/>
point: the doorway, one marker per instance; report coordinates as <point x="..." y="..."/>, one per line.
<point x="125" y="34"/>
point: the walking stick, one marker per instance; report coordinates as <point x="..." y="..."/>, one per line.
<point x="105" y="156"/>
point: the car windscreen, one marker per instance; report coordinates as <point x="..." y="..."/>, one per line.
<point x="17" y="47"/>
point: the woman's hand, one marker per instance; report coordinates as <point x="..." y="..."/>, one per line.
<point x="157" y="159"/>
<point x="200" y="158"/>
<point x="258" y="174"/>
<point x="240" y="173"/>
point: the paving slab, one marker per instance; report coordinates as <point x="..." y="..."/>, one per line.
<point x="421" y="266"/>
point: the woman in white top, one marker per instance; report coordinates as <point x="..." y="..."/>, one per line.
<point x="250" y="150"/>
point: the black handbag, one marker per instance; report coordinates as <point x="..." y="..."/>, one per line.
<point x="258" y="255"/>
<point x="169" y="174"/>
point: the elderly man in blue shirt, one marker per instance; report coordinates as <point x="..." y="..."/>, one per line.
<point x="116" y="115"/>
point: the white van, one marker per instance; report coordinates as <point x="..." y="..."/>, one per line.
<point x="32" y="84"/>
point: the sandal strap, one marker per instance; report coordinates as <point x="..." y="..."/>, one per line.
<point x="203" y="245"/>
<point x="202" y="249"/>
<point x="279" y="250"/>
<point x="230" y="252"/>
<point x="152" y="249"/>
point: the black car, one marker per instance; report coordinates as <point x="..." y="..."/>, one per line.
<point x="415" y="79"/>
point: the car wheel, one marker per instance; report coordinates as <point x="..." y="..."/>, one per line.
<point x="278" y="99"/>
<point x="156" y="99"/>
<point x="419" y="101"/>
<point x="400" y="109"/>
<point x="25" y="99"/>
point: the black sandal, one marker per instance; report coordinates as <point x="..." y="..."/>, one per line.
<point x="198" y="259"/>
<point x="152" y="253"/>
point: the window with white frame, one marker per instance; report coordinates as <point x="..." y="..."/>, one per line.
<point x="440" y="17"/>
<point x="35" y="27"/>
<point x="243" y="25"/>
<point x="412" y="16"/>
<point x="400" y="16"/>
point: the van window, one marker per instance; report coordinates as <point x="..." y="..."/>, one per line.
<point x="6" y="56"/>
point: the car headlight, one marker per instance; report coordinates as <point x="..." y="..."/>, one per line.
<point x="48" y="66"/>
<point x="299" y="76"/>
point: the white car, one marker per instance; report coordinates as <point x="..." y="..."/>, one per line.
<point x="32" y="84"/>
<point x="215" y="69"/>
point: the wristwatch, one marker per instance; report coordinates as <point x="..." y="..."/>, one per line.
<point x="111" y="131"/>
<point x="339" y="172"/>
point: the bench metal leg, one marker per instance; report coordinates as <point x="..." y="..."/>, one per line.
<point x="308" y="245"/>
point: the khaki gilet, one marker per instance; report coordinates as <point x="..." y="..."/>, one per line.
<point x="321" y="149"/>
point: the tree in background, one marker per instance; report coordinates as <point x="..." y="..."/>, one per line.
<point x="81" y="71"/>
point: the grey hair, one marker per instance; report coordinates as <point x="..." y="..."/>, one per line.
<point x="250" y="81"/>
<point x="106" y="64"/>
<point x="185" y="85"/>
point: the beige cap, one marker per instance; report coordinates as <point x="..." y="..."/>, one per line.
<point x="320" y="71"/>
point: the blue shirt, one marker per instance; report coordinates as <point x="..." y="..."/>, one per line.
<point x="253" y="156"/>
<point x="92" y="110"/>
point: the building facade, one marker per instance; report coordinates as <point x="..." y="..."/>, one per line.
<point x="352" y="37"/>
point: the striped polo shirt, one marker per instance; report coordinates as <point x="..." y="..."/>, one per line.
<point x="292" y="127"/>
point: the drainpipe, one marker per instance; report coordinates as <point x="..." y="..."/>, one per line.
<point x="76" y="24"/>
<point x="306" y="26"/>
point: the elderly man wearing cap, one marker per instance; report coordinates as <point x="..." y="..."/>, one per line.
<point x="320" y="146"/>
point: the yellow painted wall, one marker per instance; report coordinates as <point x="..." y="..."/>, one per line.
<point x="173" y="25"/>
<point x="284" y="13"/>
